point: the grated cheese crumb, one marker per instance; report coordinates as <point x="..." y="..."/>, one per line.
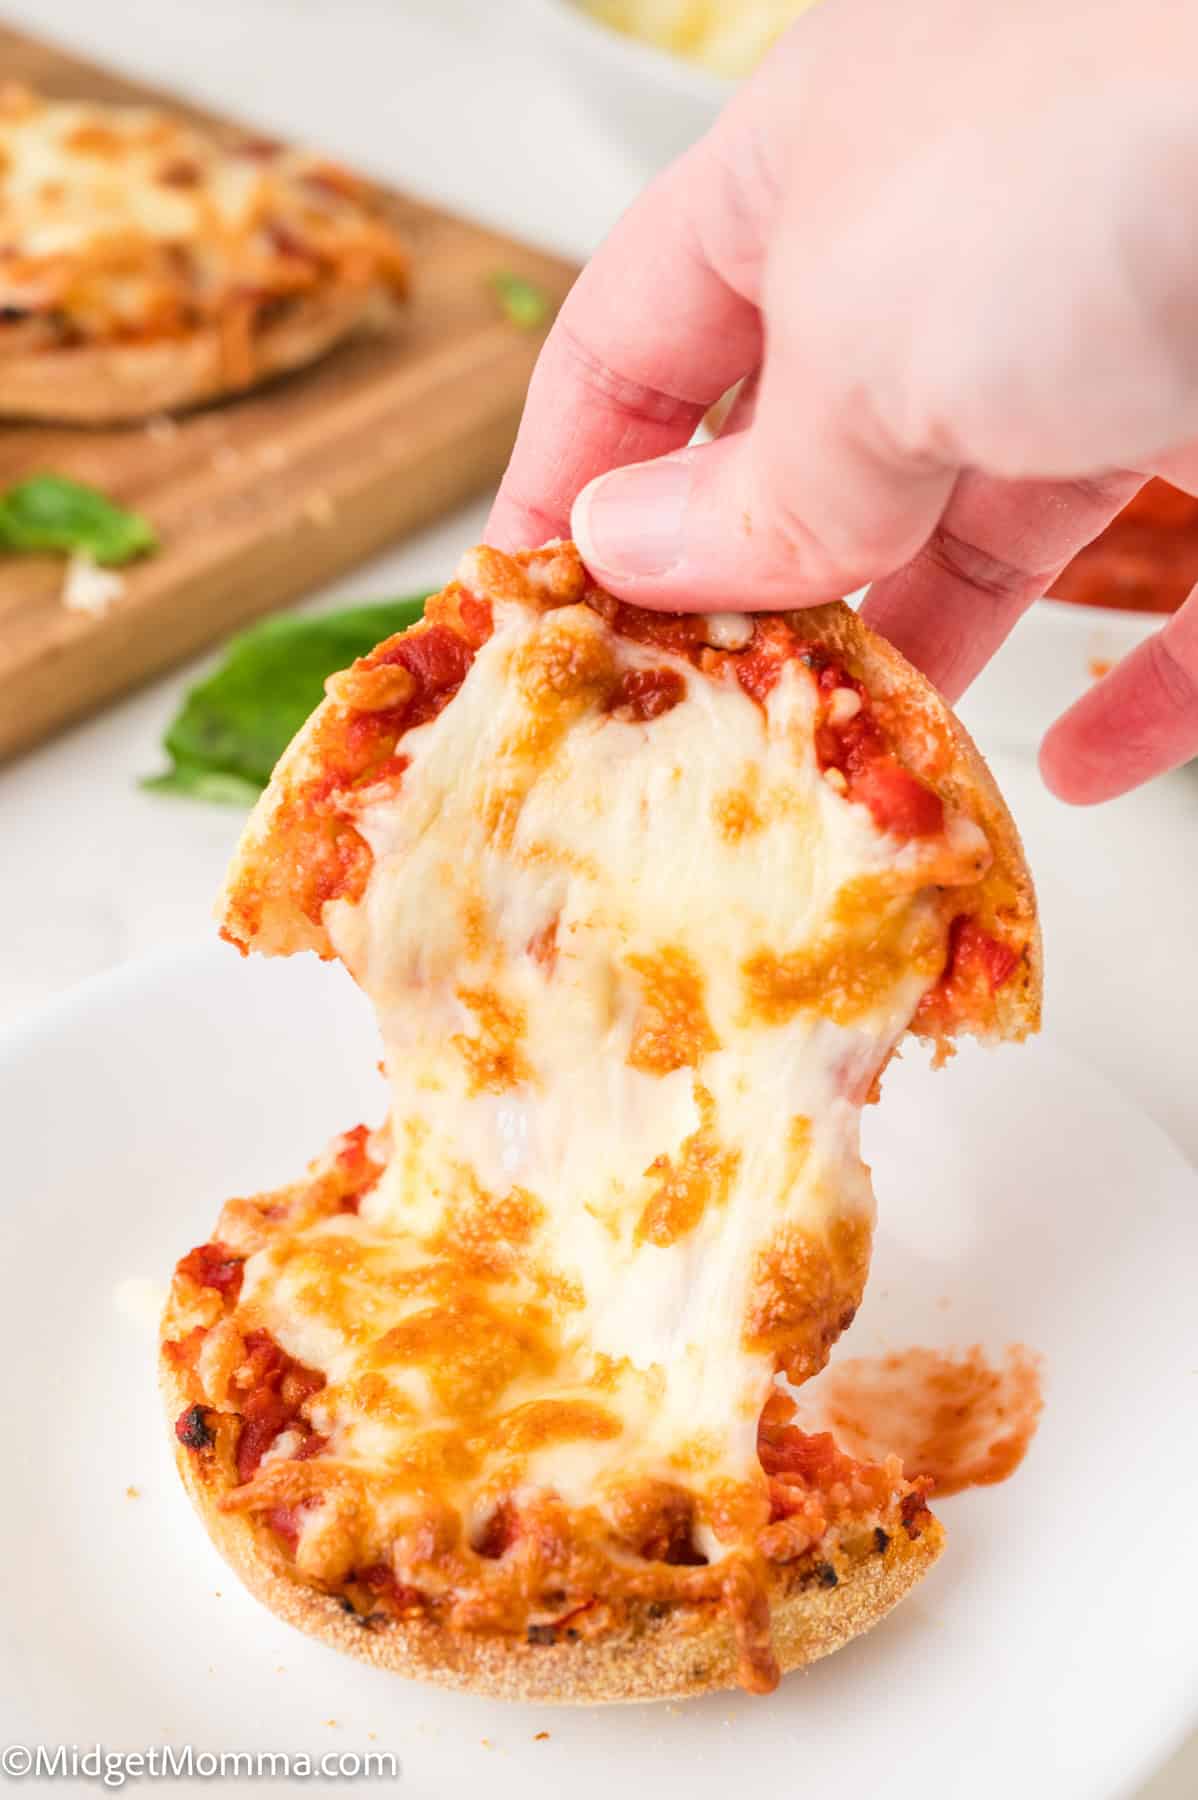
<point x="88" y="588"/>
<point x="728" y="631"/>
<point x="843" y="705"/>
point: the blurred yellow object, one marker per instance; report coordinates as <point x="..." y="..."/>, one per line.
<point x="729" y="37"/>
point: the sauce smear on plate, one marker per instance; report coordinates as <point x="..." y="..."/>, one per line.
<point x="951" y="1415"/>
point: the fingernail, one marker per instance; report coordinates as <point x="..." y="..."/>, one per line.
<point x="629" y="523"/>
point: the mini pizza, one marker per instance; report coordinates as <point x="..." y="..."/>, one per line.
<point x="644" y="905"/>
<point x="148" y="265"/>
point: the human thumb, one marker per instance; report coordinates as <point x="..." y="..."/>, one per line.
<point x="778" y="514"/>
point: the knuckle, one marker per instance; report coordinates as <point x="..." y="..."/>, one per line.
<point x="537" y="523"/>
<point x="742" y="173"/>
<point x="1170" y="678"/>
<point x="993" y="577"/>
<point x="637" y="399"/>
<point x="1101" y="493"/>
<point x="789" y="543"/>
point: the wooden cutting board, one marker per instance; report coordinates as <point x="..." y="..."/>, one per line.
<point x="264" y="498"/>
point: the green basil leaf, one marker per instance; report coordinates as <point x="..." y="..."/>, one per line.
<point x="525" y="304"/>
<point x="237" y="723"/>
<point x="203" y="784"/>
<point x="52" y="512"/>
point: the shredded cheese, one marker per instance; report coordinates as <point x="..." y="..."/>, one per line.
<point x="129" y="223"/>
<point x="627" y="1043"/>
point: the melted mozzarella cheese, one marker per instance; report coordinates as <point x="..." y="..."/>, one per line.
<point x="569" y="934"/>
<point x="108" y="215"/>
<point x="73" y="175"/>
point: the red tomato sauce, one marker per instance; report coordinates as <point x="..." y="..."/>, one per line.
<point x="978" y="965"/>
<point x="1145" y="561"/>
<point x="804" y="1463"/>
<point x="954" y="1418"/>
<point x="437" y="659"/>
<point x="286" y="1522"/>
<point x="643" y="694"/>
<point x="276" y="1387"/>
<point x="214" y="1266"/>
<point x="900" y="803"/>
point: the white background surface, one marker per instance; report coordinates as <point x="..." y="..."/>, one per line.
<point x="455" y="100"/>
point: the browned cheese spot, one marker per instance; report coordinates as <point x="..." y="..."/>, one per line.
<point x="672" y="1030"/>
<point x="470" y="1350"/>
<point x="541" y="1422"/>
<point x="155" y="133"/>
<point x="568" y="659"/>
<point x="699" y="1176"/>
<point x="736" y="816"/>
<point x="736" y="1510"/>
<point x="486" y="1233"/>
<point x="433" y="1460"/>
<point x="353" y="1285"/>
<point x="94" y="138"/>
<point x="562" y="1291"/>
<point x="371" y="690"/>
<point x="656" y="1519"/>
<point x="493" y="1055"/>
<point x="180" y="172"/>
<point x="798" y="1142"/>
<point x="445" y="608"/>
<point x="499" y="577"/>
<point x="843" y="976"/>
<point x="805" y="1288"/>
<point x="739" y="811"/>
<point x="372" y="1395"/>
<point x="501" y="811"/>
<point x="565" y="667"/>
<point x="698" y="1454"/>
<point x="476" y="936"/>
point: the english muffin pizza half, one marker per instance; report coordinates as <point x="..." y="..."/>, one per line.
<point x="644" y="905"/>
<point x="148" y="265"/>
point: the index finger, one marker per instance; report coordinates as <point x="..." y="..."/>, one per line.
<point x="1139" y="721"/>
<point x="660" y="323"/>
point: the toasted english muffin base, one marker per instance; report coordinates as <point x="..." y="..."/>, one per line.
<point x="119" y="384"/>
<point x="921" y="720"/>
<point x="686" y="1651"/>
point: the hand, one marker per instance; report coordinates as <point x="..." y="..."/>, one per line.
<point x="952" y="251"/>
